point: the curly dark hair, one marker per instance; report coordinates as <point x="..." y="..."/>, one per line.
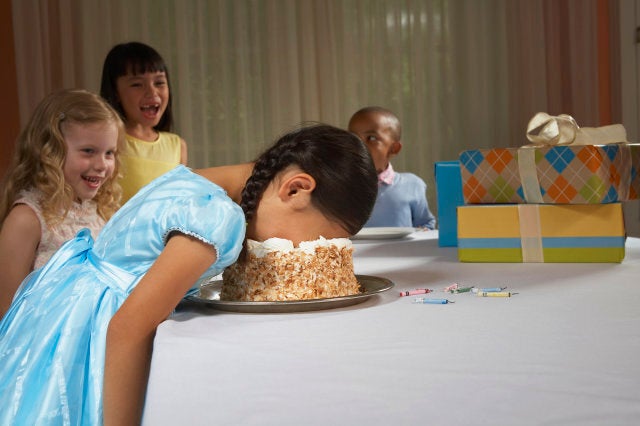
<point x="346" y="179"/>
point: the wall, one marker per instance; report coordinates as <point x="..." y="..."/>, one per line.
<point x="628" y="16"/>
<point x="8" y="87"/>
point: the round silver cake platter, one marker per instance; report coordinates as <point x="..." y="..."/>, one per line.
<point x="209" y="294"/>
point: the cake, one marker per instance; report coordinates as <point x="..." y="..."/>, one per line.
<point x="275" y="270"/>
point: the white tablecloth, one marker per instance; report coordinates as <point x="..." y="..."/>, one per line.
<point x="564" y="351"/>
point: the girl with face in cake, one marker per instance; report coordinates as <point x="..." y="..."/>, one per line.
<point x="313" y="181"/>
<point x="75" y="345"/>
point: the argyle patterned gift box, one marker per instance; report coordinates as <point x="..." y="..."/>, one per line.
<point x="541" y="233"/>
<point x="567" y="174"/>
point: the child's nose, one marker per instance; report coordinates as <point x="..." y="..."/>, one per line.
<point x="151" y="90"/>
<point x="100" y="162"/>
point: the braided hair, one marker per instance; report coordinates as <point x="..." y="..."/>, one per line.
<point x="346" y="179"/>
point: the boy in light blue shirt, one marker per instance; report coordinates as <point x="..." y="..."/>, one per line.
<point x="401" y="200"/>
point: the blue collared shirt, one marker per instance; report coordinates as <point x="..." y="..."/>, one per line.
<point x="402" y="202"/>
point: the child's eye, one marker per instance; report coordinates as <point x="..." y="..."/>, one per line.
<point x="136" y="84"/>
<point x="161" y="83"/>
<point x="88" y="150"/>
<point x="371" y="138"/>
<point x="110" y="153"/>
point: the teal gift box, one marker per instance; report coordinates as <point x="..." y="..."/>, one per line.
<point x="449" y="197"/>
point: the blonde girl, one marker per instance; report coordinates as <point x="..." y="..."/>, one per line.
<point x="62" y="179"/>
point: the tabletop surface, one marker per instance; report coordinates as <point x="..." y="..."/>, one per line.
<point x="563" y="351"/>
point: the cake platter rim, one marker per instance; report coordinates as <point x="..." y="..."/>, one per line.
<point x="383" y="233"/>
<point x="372" y="285"/>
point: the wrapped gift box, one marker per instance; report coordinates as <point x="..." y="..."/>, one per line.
<point x="449" y="197"/>
<point x="571" y="174"/>
<point x="541" y="233"/>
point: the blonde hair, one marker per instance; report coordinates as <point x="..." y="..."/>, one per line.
<point x="40" y="153"/>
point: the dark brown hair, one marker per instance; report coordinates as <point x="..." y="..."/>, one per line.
<point x="397" y="128"/>
<point x="135" y="58"/>
<point x="346" y="179"/>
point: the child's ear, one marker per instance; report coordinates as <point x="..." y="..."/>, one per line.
<point x="395" y="148"/>
<point x="297" y="188"/>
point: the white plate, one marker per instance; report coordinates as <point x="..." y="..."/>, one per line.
<point x="382" y="233"/>
<point x="209" y="294"/>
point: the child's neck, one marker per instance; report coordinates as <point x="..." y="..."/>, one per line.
<point x="143" y="133"/>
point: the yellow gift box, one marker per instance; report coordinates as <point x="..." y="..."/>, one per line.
<point x="541" y="233"/>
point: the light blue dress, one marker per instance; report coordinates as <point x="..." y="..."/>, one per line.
<point x="52" y="339"/>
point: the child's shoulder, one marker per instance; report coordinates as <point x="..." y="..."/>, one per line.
<point x="32" y="197"/>
<point x="169" y="135"/>
<point x="409" y="178"/>
<point x="170" y="139"/>
<point x="26" y="210"/>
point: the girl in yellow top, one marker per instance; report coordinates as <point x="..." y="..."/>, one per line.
<point x="135" y="81"/>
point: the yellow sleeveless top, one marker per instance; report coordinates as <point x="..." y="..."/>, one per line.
<point x="142" y="161"/>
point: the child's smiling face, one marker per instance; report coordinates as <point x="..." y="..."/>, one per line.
<point x="144" y="97"/>
<point x="91" y="156"/>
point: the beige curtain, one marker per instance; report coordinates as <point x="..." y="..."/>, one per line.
<point x="460" y="73"/>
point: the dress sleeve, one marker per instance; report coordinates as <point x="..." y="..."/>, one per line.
<point x="212" y="217"/>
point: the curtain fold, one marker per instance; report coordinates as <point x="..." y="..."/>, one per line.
<point x="459" y="74"/>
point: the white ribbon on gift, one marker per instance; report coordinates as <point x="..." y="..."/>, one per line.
<point x="547" y="130"/>
<point x="530" y="233"/>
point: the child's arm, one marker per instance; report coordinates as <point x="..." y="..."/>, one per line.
<point x="183" y="152"/>
<point x="231" y="178"/>
<point x="132" y="329"/>
<point x="19" y="239"/>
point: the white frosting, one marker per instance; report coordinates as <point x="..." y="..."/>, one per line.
<point x="260" y="249"/>
<point x="310" y="246"/>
